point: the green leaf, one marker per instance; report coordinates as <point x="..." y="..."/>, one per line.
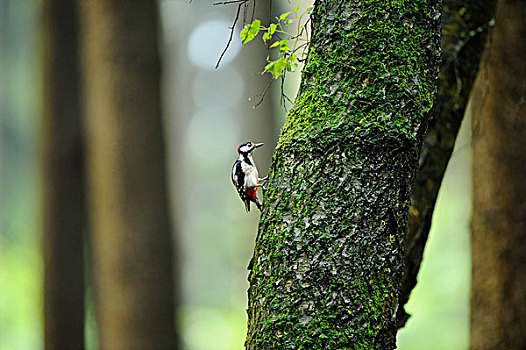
<point x="276" y="43"/>
<point x="250" y="31"/>
<point x="293" y="58"/>
<point x="243" y="35"/>
<point x="292" y="65"/>
<point x="309" y="9"/>
<point x="276" y="67"/>
<point x="296" y="8"/>
<point x="287" y="21"/>
<point x="284" y="15"/>
<point x="272" y="28"/>
<point x="270" y="31"/>
<point x="254" y="28"/>
<point x="284" y="45"/>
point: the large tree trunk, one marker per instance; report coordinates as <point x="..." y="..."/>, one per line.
<point x="329" y="253"/>
<point x="132" y="245"/>
<point x="498" y="303"/>
<point x="62" y="179"/>
<point x="464" y="28"/>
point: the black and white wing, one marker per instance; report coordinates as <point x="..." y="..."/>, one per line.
<point x="238" y="179"/>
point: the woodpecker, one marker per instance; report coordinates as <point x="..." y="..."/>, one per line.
<point x="245" y="175"/>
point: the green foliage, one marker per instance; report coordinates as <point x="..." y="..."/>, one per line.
<point x="276" y="67"/>
<point x="270" y="31"/>
<point x="287" y="56"/>
<point x="250" y="31"/>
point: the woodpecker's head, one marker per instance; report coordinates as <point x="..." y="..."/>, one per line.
<point x="248" y="147"/>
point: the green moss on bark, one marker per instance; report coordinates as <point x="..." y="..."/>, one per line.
<point x="328" y="256"/>
<point x="368" y="66"/>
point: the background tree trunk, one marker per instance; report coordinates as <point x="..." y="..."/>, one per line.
<point x="464" y="28"/>
<point x="132" y="243"/>
<point x="329" y="253"/>
<point x="498" y="303"/>
<point x="63" y="200"/>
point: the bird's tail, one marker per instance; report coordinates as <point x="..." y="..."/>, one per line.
<point x="247" y="205"/>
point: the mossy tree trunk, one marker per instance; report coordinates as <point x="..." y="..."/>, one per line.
<point x="498" y="302"/>
<point x="329" y="252"/>
<point x="464" y="28"/>
<point x="131" y="233"/>
<point x="63" y="199"/>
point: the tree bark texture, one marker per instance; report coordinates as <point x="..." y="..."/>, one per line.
<point x="329" y="253"/>
<point x="498" y="303"/>
<point x="464" y="28"/>
<point x="132" y="243"/>
<point x="63" y="199"/>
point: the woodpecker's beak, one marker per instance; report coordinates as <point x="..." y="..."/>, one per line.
<point x="257" y="145"/>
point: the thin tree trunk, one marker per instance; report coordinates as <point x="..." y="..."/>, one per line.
<point x="464" y="28"/>
<point x="132" y="243"/>
<point x="329" y="253"/>
<point x="63" y="200"/>
<point x="498" y="302"/>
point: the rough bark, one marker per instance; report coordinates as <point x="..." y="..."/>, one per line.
<point x="498" y="303"/>
<point x="63" y="200"/>
<point x="329" y="253"/>
<point x="132" y="244"/>
<point x="464" y="28"/>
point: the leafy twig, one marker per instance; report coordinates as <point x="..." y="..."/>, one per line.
<point x="287" y="60"/>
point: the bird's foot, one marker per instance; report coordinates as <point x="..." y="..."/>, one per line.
<point x="262" y="187"/>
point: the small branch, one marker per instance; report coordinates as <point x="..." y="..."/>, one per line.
<point x="253" y="11"/>
<point x="232" y="29"/>
<point x="229" y="2"/>
<point x="284" y="98"/>
<point x="304" y="46"/>
<point x="304" y="28"/>
<point x="263" y="94"/>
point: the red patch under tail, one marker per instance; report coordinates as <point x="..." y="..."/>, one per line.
<point x="251" y="192"/>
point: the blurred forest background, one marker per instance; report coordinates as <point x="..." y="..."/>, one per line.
<point x="207" y="112"/>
